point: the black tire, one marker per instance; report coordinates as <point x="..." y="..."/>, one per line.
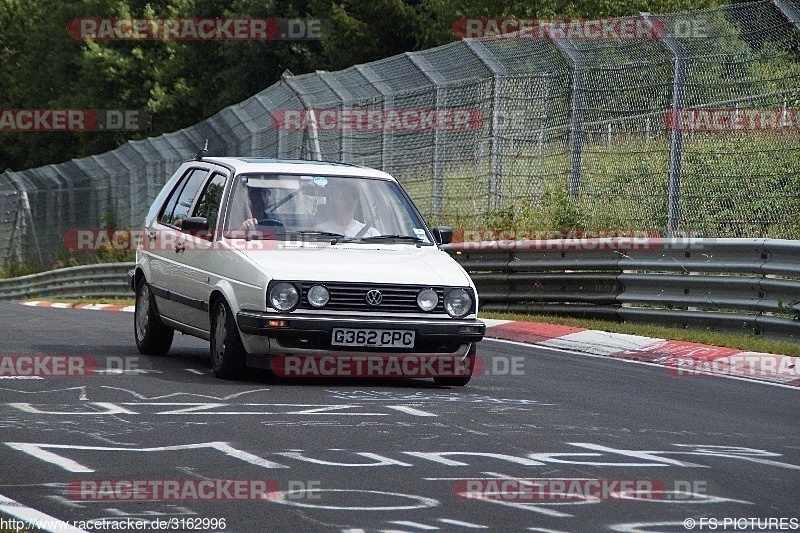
<point x="227" y="352"/>
<point x="459" y="381"/>
<point x="152" y="336"/>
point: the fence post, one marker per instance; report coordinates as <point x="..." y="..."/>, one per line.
<point x="438" y="82"/>
<point x="578" y="64"/>
<point x="313" y="137"/>
<point x="788" y="10"/>
<point x="388" y="103"/>
<point x="675" y="123"/>
<point x="24" y="223"/>
<point x="496" y="136"/>
<point x="346" y="99"/>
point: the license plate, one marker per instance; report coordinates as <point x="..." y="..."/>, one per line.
<point x="378" y="338"/>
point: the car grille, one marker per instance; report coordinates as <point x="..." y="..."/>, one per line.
<point x="353" y="297"/>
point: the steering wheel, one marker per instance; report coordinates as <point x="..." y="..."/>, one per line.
<point x="271" y="222"/>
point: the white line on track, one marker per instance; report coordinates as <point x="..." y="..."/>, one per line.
<point x="36" y="519"/>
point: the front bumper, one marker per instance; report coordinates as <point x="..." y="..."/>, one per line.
<point x="314" y="332"/>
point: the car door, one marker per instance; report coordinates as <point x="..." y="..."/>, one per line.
<point x="200" y="255"/>
<point x="167" y="268"/>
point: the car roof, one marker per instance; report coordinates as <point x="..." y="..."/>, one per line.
<point x="242" y="165"/>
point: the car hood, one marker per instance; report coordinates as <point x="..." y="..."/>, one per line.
<point x="355" y="262"/>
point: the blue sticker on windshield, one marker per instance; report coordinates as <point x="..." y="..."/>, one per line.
<point x="320" y="181"/>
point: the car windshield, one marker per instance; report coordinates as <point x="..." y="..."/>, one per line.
<point x="338" y="208"/>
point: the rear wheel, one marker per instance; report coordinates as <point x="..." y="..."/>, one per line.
<point x="152" y="336"/>
<point x="460" y="381"/>
<point x="227" y="352"/>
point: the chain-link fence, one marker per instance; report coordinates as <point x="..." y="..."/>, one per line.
<point x="689" y="126"/>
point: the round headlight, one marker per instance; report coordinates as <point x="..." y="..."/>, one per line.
<point x="318" y="296"/>
<point x="427" y="299"/>
<point x="283" y="296"/>
<point x="457" y="303"/>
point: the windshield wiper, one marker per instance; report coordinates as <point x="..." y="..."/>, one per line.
<point x="320" y="233"/>
<point x="392" y="237"/>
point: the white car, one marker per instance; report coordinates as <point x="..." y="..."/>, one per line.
<point x="325" y="266"/>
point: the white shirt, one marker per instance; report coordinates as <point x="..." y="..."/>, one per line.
<point x="351" y="231"/>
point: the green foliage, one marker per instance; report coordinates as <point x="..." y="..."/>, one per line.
<point x="183" y="82"/>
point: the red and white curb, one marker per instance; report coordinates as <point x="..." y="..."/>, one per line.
<point x="93" y="307"/>
<point x="679" y="358"/>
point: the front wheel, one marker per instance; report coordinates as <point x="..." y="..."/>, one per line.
<point x="227" y="352"/>
<point x="152" y="336"/>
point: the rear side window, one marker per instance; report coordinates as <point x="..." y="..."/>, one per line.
<point x="182" y="196"/>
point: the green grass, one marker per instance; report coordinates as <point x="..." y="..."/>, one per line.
<point x="713" y="338"/>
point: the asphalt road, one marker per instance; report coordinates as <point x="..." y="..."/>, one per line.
<point x="544" y="441"/>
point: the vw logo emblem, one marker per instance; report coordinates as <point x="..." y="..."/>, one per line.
<point x="374" y="297"/>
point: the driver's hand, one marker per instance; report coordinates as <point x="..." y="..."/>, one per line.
<point x="250" y="223"/>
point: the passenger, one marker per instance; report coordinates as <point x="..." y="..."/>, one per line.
<point x="343" y="201"/>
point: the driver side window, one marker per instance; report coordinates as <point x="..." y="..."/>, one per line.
<point x="210" y="198"/>
<point x="180" y="200"/>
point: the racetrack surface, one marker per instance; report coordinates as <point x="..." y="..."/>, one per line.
<point x="387" y="455"/>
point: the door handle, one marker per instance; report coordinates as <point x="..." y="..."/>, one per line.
<point x="180" y="247"/>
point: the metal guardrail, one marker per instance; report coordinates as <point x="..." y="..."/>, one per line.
<point x="106" y="280"/>
<point x="747" y="286"/>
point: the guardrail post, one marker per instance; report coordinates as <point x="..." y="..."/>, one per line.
<point x="578" y="64"/>
<point x="675" y="122"/>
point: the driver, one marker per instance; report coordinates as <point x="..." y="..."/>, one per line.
<point x="259" y="199"/>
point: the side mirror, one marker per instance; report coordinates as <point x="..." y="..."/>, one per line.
<point x="197" y="226"/>
<point x="443" y="234"/>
